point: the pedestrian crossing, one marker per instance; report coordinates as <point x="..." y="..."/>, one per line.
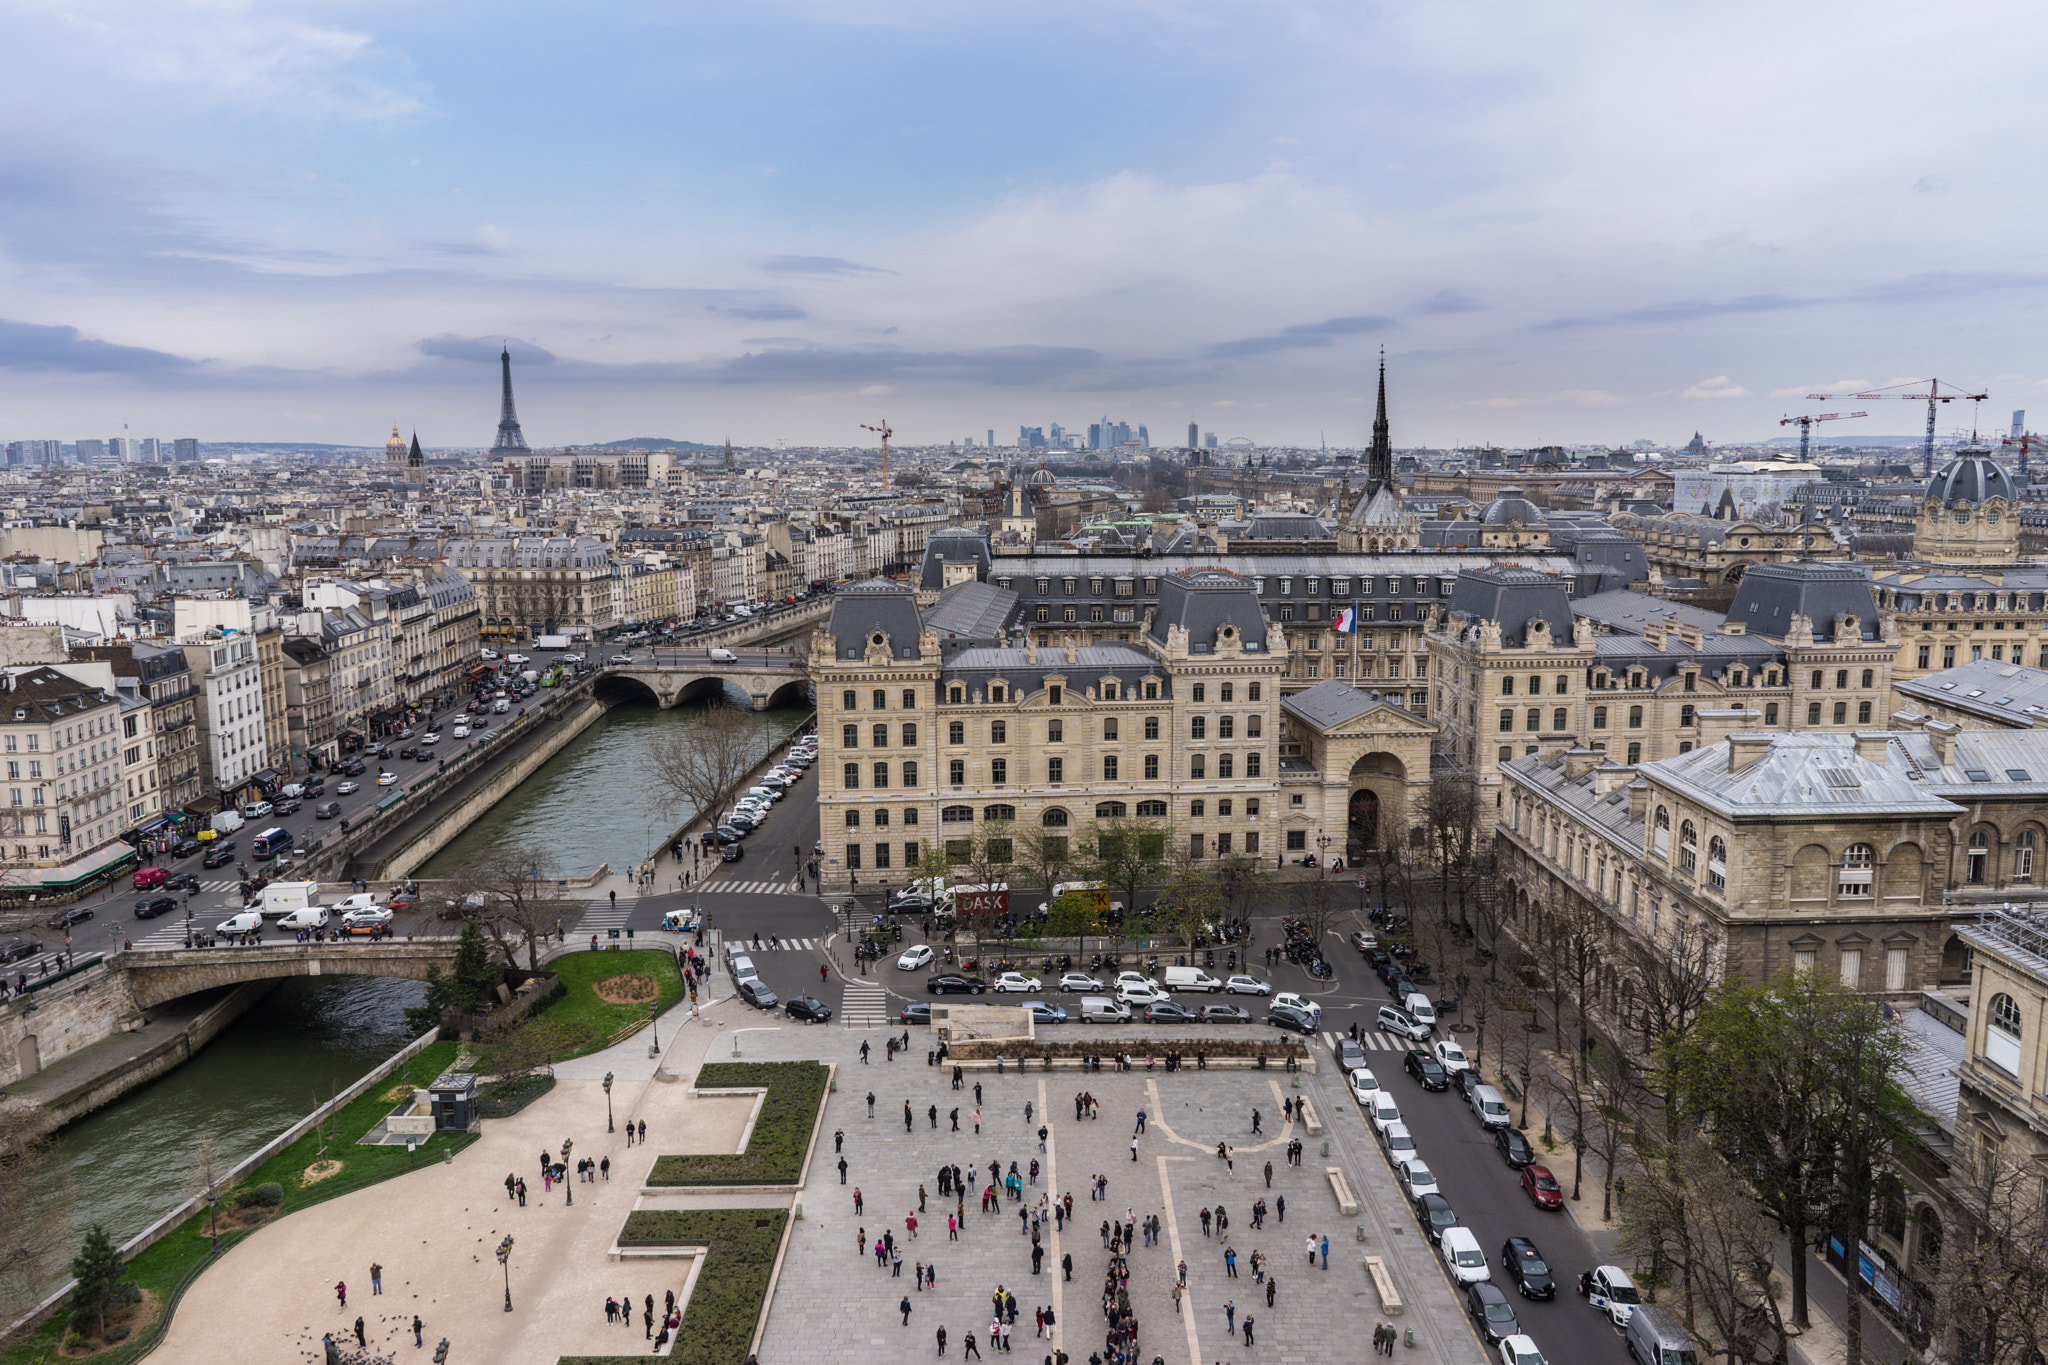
<point x="219" y="884"/>
<point x="603" y="916"/>
<point x="757" y="888"/>
<point x="864" y="1006"/>
<point x="796" y="945"/>
<point x="1381" y="1042"/>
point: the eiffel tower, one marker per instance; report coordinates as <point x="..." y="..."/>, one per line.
<point x="511" y="440"/>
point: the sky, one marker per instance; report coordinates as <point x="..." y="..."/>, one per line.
<point x="778" y="221"/>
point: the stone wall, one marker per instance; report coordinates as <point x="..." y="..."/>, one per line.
<point x="95" y="1088"/>
<point x="64" y="1018"/>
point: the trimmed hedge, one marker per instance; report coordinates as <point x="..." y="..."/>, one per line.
<point x="726" y="1305"/>
<point x="781" y="1137"/>
<point x="503" y="1099"/>
<point x="1109" y="1045"/>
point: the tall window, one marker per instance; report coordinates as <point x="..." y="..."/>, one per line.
<point x="1599" y="718"/>
<point x="850" y="779"/>
<point x="849" y="736"/>
<point x="1857" y="864"/>
<point x="1560" y="719"/>
<point x="1198" y="728"/>
<point x="1660" y="835"/>
<point x="1151" y="727"/>
<point x="998" y="771"/>
<point x="1717" y="864"/>
<point x="1635" y="717"/>
<point x="2002" y="1038"/>
<point x="881" y="775"/>
<point x="1688" y="849"/>
<point x="1535" y="719"/>
<point x="998" y="732"/>
<point x="956" y="771"/>
<point x="1151" y="767"/>
<point x="2023" y="856"/>
<point x="1635" y="754"/>
<point x="1978" y="861"/>
<point x="1507" y="721"/>
<point x="1109" y="768"/>
<point x="1055" y="770"/>
<point x="956" y="732"/>
<point x="1197" y="768"/>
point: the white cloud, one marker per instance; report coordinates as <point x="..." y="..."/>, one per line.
<point x="1720" y="386"/>
<point x="1835" y="389"/>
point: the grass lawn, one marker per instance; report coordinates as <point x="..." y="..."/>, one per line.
<point x="583" y="1021"/>
<point x="781" y="1137"/>
<point x="726" y="1304"/>
<point x="178" y="1258"/>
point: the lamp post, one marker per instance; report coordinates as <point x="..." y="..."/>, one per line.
<point x="568" y="1187"/>
<point x="1323" y="842"/>
<point x="505" y="1263"/>
<point x="653" y="1008"/>
<point x="212" y="1222"/>
<point x="608" y="1103"/>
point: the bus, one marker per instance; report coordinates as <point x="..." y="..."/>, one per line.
<point x="271" y="842"/>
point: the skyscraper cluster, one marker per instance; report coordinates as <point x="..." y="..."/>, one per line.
<point x="114" y="450"/>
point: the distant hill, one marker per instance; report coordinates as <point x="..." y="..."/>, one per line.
<point x="652" y="443"/>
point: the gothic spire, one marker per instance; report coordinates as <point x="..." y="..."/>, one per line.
<point x="415" y="457"/>
<point x="1380" y="463"/>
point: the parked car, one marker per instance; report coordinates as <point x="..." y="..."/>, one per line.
<point x="1364" y="1085"/>
<point x="1016" y="982"/>
<point x="1081" y="982"/>
<point x="1166" y="1012"/>
<point x="1521" y="1351"/>
<point x="1513" y="1147"/>
<point x="1526" y="1269"/>
<point x="1423" y="1068"/>
<point x="1225" y="1014"/>
<point x="915" y="957"/>
<point x="1288" y="1017"/>
<point x="256" y="810"/>
<point x="149" y="907"/>
<point x="1542" y="1187"/>
<point x="1435" y="1214"/>
<point x="1241" y="984"/>
<point x="755" y="992"/>
<point x="1415" y="1178"/>
<point x="1609" y="1289"/>
<point x="64" y="919"/>
<point x="1492" y="1312"/>
<point x="1044" y="1013"/>
<point x="808" y="1008"/>
<point x="954" y="984"/>
<point x="1450" y="1057"/>
<point x="1350" y="1056"/>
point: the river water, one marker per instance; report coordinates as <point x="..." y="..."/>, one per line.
<point x="133" y="1160"/>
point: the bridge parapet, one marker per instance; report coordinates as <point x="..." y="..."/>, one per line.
<point x="159" y="974"/>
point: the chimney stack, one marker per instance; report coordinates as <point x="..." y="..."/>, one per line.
<point x="1944" y="735"/>
<point x="1579" y="760"/>
<point x="1746" y="749"/>
<point x="1873" y="746"/>
<point x="1638" y="798"/>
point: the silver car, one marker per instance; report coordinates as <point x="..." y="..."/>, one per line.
<point x="1350" y="1056"/>
<point x="1241" y="984"/>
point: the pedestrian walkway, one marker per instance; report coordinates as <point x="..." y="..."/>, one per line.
<point x="1383" y="1042"/>
<point x="804" y="945"/>
<point x="864" y="1006"/>
<point x="757" y="888"/>
<point x="603" y="915"/>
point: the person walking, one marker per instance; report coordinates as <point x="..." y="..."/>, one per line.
<point x="942" y="1339"/>
<point x="842" y="1170"/>
<point x="1134" y="1149"/>
<point x="361" y="1343"/>
<point x="418" y="1331"/>
<point x="1255" y="1121"/>
<point x="1272" y="1288"/>
<point x="1248" y="1329"/>
<point x="970" y="1345"/>
<point x="376" y="1279"/>
<point x="904" y="1308"/>
<point x="1178" y="1291"/>
<point x="1326" y="1253"/>
<point x="1230" y="1316"/>
<point x="341" y="1293"/>
<point x="643" y="1130"/>
<point x="1269" y="1175"/>
<point x="1280" y="1207"/>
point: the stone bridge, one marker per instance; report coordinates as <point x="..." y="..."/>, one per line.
<point x="159" y="974"/>
<point x="769" y="677"/>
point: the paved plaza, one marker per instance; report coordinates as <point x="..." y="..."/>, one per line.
<point x="435" y="1229"/>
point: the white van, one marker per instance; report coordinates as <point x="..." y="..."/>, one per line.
<point x="1655" y="1337"/>
<point x="1491" y="1108"/>
<point x="1190" y="979"/>
<point x="461" y="730"/>
<point x="246" y="922"/>
<point x="1462" y="1256"/>
<point x="724" y="656"/>
<point x="361" y="900"/>
<point x="1420" y="1010"/>
<point x="306" y="917"/>
<point x="500" y="706"/>
<point x="764" y="793"/>
<point x="1100" y="1009"/>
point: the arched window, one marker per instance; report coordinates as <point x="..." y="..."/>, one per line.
<point x="2023" y="856"/>
<point x="1686" y="716"/>
<point x="1855" y="876"/>
<point x="2002" y="1038"/>
<point x="1635" y="754"/>
<point x="1635" y="717"/>
<point x="1535" y="719"/>
<point x="1228" y="692"/>
<point x="1717" y="864"/>
<point x="957" y="815"/>
<point x="1507" y="721"/>
<point x="1661" y="831"/>
<point x="1930" y="1235"/>
<point x="1152" y="810"/>
<point x="1868" y="677"/>
<point x="1110" y="810"/>
<point x="1977" y="864"/>
<point x="1507" y="685"/>
<point x="999" y="812"/>
<point x="1688" y="849"/>
<point x="1053" y="819"/>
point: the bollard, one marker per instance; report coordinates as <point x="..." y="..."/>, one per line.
<point x="1361" y="1232"/>
<point x="1326" y="1146"/>
<point x="799" y="1212"/>
<point x="1411" y="1337"/>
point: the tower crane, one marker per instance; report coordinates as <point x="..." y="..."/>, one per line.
<point x="885" y="433"/>
<point x="1927" y="391"/>
<point x="1806" y="422"/>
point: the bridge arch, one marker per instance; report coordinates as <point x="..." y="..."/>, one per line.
<point x="155" y="976"/>
<point x="796" y="692"/>
<point x="612" y="687"/>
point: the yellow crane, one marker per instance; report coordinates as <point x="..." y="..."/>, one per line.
<point x="885" y="433"/>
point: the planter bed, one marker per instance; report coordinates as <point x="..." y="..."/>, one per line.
<point x="782" y="1134"/>
<point x="725" y="1305"/>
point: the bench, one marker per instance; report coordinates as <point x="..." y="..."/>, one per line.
<point x="1309" y="1120"/>
<point x="1347" y="1202"/>
<point x="1390" y="1298"/>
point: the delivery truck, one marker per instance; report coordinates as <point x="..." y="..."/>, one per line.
<point x="282" y="898"/>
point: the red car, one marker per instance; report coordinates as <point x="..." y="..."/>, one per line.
<point x="1542" y="1187"/>
<point x="148" y="877"/>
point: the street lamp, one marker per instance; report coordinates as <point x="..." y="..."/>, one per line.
<point x="653" y="1008"/>
<point x="1323" y="842"/>
<point x="505" y="1262"/>
<point x="212" y="1222"/>
<point x="568" y="1188"/>
<point x="608" y="1103"/>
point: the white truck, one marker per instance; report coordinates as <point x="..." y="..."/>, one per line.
<point x="226" y="821"/>
<point x="552" y="641"/>
<point x="282" y="898"/>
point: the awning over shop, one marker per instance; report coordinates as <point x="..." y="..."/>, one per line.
<point x="62" y="876"/>
<point x="266" y="777"/>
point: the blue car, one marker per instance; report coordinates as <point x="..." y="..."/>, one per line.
<point x="1044" y="1013"/>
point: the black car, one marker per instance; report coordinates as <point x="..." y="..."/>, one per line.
<point x="1426" y="1069"/>
<point x="64" y="919"/>
<point x="1513" y="1147"/>
<point x="409" y="751"/>
<point x="807" y="1008"/>
<point x="220" y="855"/>
<point x="953" y="984"/>
<point x="425" y="755"/>
<point x="1526" y="1269"/>
<point x="1288" y="1017"/>
<point x="184" y="881"/>
<point x="152" y="906"/>
<point x="1435" y="1214"/>
<point x="755" y="992"/>
<point x="916" y="1012"/>
<point x="19" y="949"/>
<point x="185" y="848"/>
<point x="1377" y="958"/>
<point x="1166" y="1012"/>
<point x="1402" y="987"/>
<point x="728" y="834"/>
<point x="731" y="853"/>
<point x="1467" y="1079"/>
<point x="1492" y="1311"/>
<point x="1386" y="970"/>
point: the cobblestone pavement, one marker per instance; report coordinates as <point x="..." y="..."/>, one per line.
<point x="835" y="1303"/>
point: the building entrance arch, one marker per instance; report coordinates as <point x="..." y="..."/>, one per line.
<point x="1364" y="823"/>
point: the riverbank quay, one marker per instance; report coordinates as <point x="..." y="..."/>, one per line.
<point x="165" y="1259"/>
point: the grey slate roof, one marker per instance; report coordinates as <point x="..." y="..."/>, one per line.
<point x="1082" y="667"/>
<point x="1633" y="612"/>
<point x="1204" y="602"/>
<point x="874" y="605"/>
<point x="972" y="611"/>
<point x="1514" y="598"/>
<point x="1973" y="478"/>
<point x="954" y="545"/>
<point x="2002" y="693"/>
<point x="1335" y="702"/>
<point x="1809" y="774"/>
<point x="1772" y="594"/>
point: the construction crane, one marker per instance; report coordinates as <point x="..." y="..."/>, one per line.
<point x="1806" y="425"/>
<point x="885" y="433"/>
<point x="1927" y="391"/>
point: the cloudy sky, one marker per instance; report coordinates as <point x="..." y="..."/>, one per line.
<point x="1565" y="222"/>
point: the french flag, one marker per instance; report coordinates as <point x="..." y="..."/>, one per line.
<point x="1345" y="621"/>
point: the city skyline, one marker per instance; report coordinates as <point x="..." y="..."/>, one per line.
<point x="1579" y="229"/>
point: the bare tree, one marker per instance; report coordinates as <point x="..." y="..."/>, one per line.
<point x="1450" y="811"/>
<point x="1245" y="882"/>
<point x="703" y="767"/>
<point x="1990" y="1273"/>
<point x="1317" y="903"/>
<point x="1617" y="1085"/>
<point x="510" y="894"/>
<point x="36" y="1199"/>
<point x="1046" y="856"/>
<point x="1671" y="983"/>
<point x="1192" y="899"/>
